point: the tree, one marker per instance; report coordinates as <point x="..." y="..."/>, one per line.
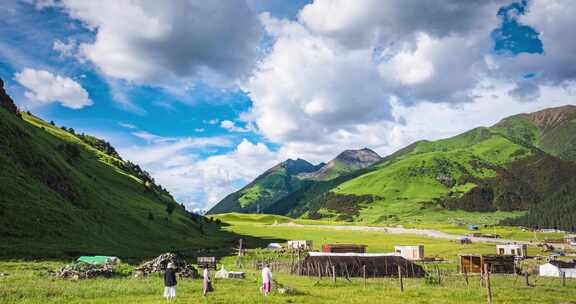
<point x="170" y="208"/>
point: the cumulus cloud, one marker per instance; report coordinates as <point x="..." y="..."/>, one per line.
<point x="336" y="77"/>
<point x="156" y="42"/>
<point x="555" y="21"/>
<point x="310" y="82"/>
<point x="45" y="87"/>
<point x="365" y="23"/>
<point x="201" y="183"/>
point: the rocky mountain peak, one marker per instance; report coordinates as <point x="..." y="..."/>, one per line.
<point x="358" y="158"/>
<point x="551" y="118"/>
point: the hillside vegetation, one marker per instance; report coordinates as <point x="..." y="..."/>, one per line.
<point x="523" y="167"/>
<point x="63" y="194"/>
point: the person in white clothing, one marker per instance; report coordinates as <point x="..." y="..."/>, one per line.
<point x="266" y="280"/>
<point x="207" y="284"/>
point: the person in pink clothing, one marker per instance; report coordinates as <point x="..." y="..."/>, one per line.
<point x="266" y="280"/>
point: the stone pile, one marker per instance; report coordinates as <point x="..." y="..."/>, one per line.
<point x="77" y="271"/>
<point x="159" y="264"/>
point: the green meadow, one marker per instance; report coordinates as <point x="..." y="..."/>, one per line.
<point x="29" y="282"/>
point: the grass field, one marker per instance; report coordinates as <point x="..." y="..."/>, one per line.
<point x="28" y="281"/>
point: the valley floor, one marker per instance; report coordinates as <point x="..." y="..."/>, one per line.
<point x="28" y="281"/>
<point x="399" y="230"/>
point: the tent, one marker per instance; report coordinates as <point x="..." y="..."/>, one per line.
<point x="274" y="246"/>
<point x="98" y="259"/>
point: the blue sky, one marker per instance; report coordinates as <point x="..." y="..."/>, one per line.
<point x="207" y="95"/>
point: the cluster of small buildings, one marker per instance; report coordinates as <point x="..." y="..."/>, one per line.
<point x="350" y="257"/>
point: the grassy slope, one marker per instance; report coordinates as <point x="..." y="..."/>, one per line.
<point x="408" y="187"/>
<point x="53" y="204"/>
<point x="266" y="189"/>
<point x="554" y="132"/>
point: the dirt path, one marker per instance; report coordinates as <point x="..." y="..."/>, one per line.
<point x="397" y="230"/>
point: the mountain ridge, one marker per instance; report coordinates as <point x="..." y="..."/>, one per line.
<point x="487" y="174"/>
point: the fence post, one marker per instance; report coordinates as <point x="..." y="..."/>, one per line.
<point x="364" y="274"/>
<point x="400" y="278"/>
<point x="466" y="276"/>
<point x="333" y="274"/>
<point x="488" y="287"/>
<point x="563" y="278"/>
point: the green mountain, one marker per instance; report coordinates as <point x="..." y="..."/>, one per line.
<point x="513" y="170"/>
<point x="267" y="188"/>
<point x="64" y="194"/>
<point x="552" y="130"/>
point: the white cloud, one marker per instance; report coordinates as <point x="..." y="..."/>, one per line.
<point x="555" y="21"/>
<point x="127" y="125"/>
<point x="232" y="127"/>
<point x="149" y="137"/>
<point x="158" y="42"/>
<point x="337" y="77"/>
<point x="65" y="49"/>
<point x="159" y="148"/>
<point x="200" y="183"/>
<point x="45" y="87"/>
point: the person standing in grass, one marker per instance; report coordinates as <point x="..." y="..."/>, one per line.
<point x="266" y="280"/>
<point x="170" y="282"/>
<point x="207" y="284"/>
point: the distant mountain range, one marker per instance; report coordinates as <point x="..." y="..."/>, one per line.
<point x="521" y="170"/>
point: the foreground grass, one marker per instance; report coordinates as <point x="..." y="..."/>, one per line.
<point x="27" y="282"/>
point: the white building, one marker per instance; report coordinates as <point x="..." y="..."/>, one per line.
<point x="300" y="244"/>
<point x="520" y="250"/>
<point x="411" y="253"/>
<point x="555" y="269"/>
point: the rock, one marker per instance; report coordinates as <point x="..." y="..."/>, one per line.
<point x="159" y="264"/>
<point x="78" y="271"/>
<point x="6" y="102"/>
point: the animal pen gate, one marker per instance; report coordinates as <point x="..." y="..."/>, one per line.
<point x="357" y="265"/>
<point x="474" y="263"/>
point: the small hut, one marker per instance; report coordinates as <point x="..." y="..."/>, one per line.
<point x="411" y="253"/>
<point x="519" y="250"/>
<point x="344" y="248"/>
<point x="474" y="263"/>
<point x="354" y="265"/>
<point x="206" y="262"/>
